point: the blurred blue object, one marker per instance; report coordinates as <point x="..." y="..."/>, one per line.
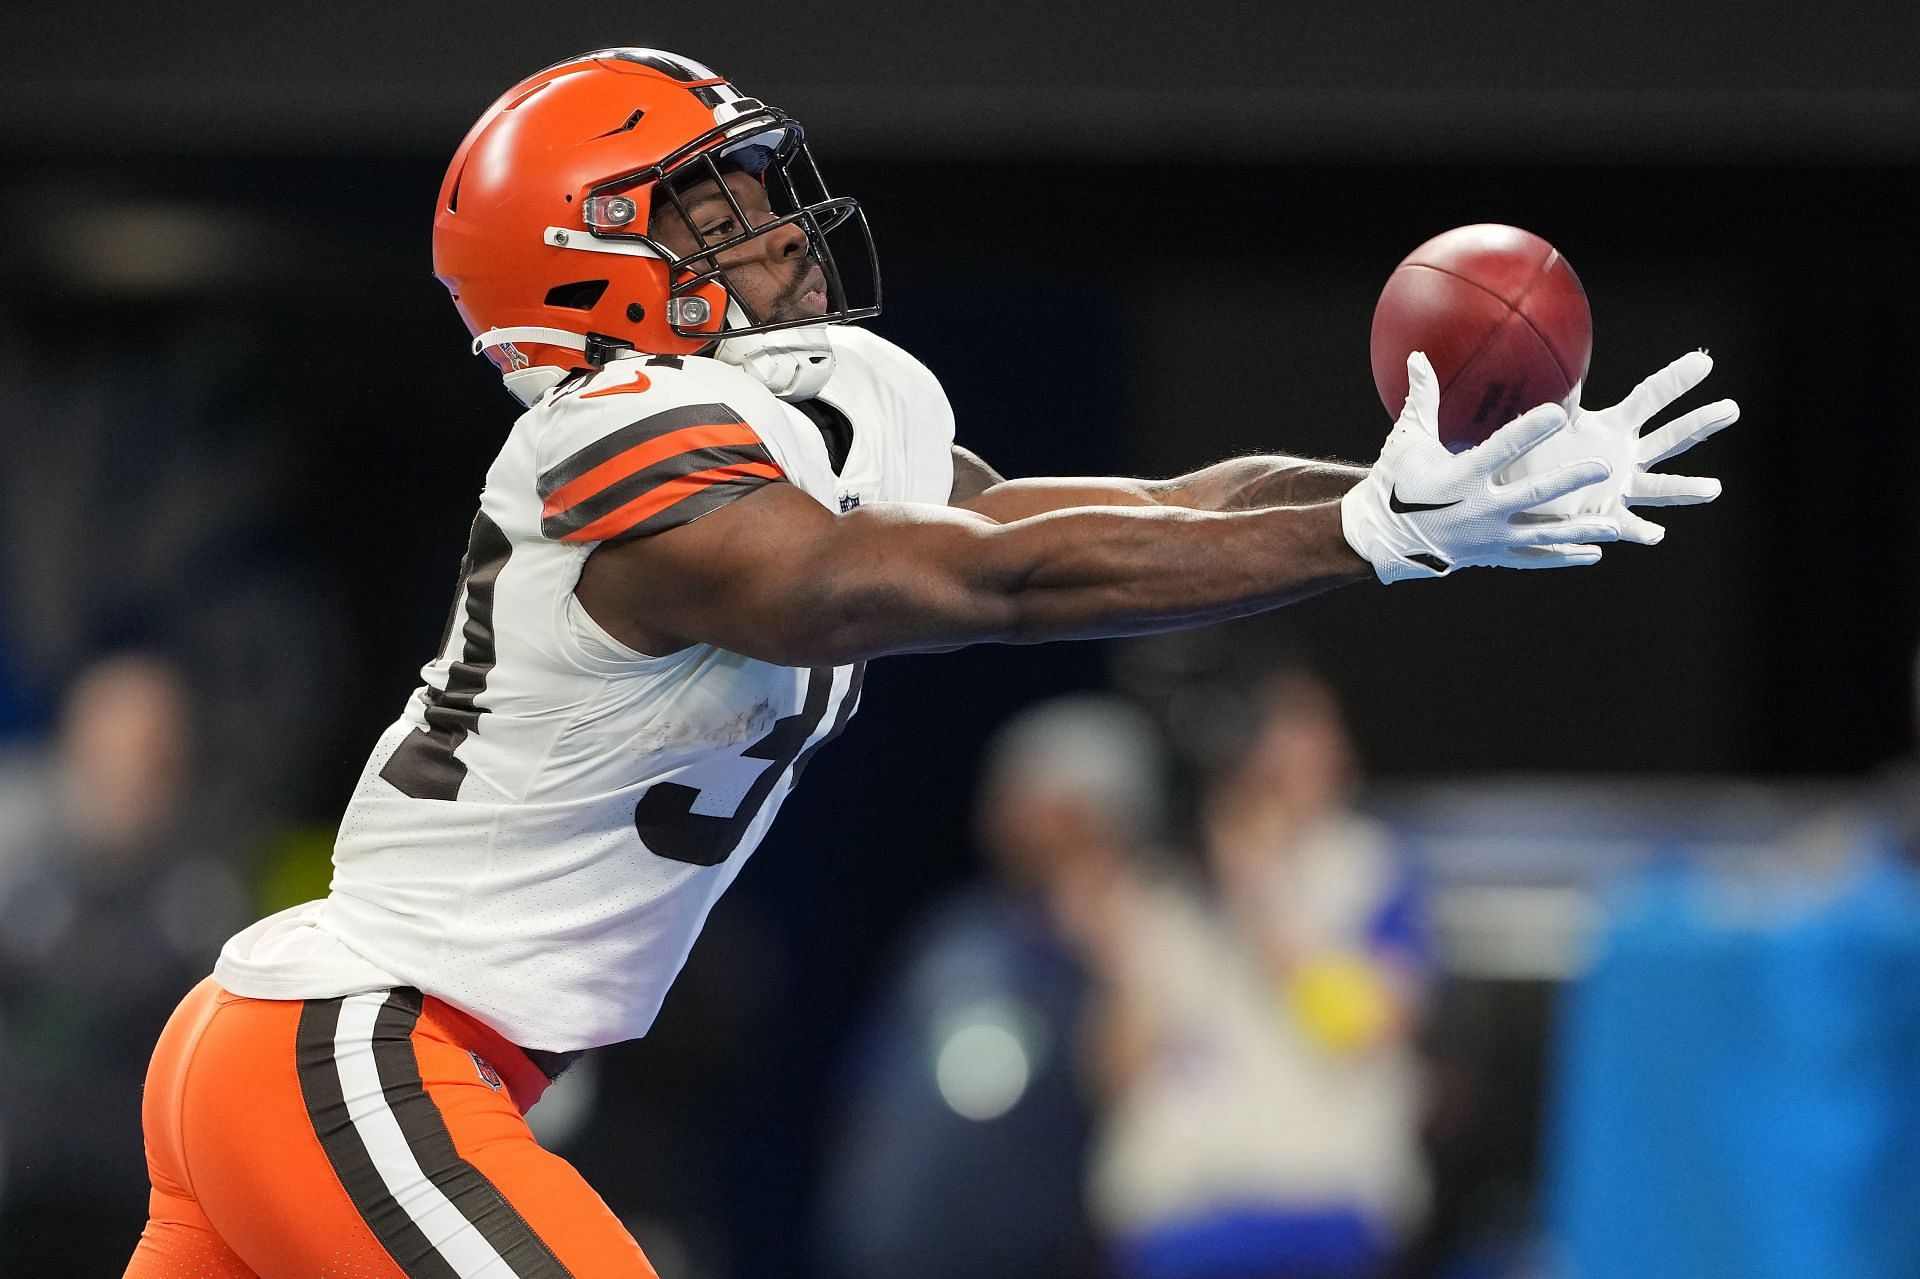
<point x="1739" y="1082"/>
<point x="21" y="713"/>
<point x="1257" y="1243"/>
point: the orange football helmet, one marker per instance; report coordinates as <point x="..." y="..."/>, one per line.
<point x="541" y="230"/>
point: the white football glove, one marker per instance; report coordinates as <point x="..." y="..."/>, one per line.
<point x="1422" y="511"/>
<point x="1614" y="434"/>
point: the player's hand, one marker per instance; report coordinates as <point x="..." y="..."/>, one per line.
<point x="1614" y="434"/>
<point x="1422" y="511"/>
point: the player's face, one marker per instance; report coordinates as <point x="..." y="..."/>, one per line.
<point x="774" y="274"/>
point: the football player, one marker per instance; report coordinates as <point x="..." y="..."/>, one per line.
<point x="720" y="501"/>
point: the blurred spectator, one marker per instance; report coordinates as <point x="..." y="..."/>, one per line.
<point x="963" y="1153"/>
<point x="169" y="491"/>
<point x="113" y="906"/>
<point x="1264" y="1094"/>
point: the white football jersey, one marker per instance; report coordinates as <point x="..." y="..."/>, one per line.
<point x="539" y="837"/>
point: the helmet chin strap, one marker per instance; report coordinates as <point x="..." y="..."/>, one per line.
<point x="529" y="384"/>
<point x="792" y="363"/>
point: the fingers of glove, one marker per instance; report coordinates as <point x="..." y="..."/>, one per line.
<point x="1642" y="532"/>
<point x="1671" y="490"/>
<point x="1571" y="528"/>
<point x="1554" y="484"/>
<point x="1666" y="386"/>
<point x="1558" y="555"/>
<point x="1517" y="438"/>
<point x="1423" y="393"/>
<point x="1686" y="431"/>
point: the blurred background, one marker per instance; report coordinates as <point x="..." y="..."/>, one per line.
<point x="1557" y="925"/>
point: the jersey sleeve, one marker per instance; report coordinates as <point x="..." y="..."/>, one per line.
<point x="644" y="465"/>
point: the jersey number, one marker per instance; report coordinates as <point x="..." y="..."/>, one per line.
<point x="665" y="817"/>
<point x="424" y="766"/>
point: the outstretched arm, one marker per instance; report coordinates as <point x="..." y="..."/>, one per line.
<point x="777" y="576"/>
<point x="1239" y="484"/>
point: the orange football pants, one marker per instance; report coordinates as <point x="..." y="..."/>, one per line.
<point x="370" y="1136"/>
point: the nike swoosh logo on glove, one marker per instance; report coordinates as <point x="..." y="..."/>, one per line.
<point x="1399" y="507"/>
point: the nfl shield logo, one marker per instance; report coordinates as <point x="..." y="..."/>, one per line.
<point x="488" y="1075"/>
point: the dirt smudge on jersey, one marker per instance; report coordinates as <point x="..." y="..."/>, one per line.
<point x="750" y="724"/>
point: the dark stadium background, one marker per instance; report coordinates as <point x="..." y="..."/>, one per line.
<point x="1129" y="238"/>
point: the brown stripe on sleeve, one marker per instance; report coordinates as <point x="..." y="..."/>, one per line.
<point x="678" y="502"/>
<point x="570" y="522"/>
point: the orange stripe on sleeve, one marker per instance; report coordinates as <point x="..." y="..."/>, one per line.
<point x="640" y="457"/>
<point x="655" y="500"/>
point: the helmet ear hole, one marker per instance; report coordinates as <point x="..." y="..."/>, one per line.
<point x="581" y="295"/>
